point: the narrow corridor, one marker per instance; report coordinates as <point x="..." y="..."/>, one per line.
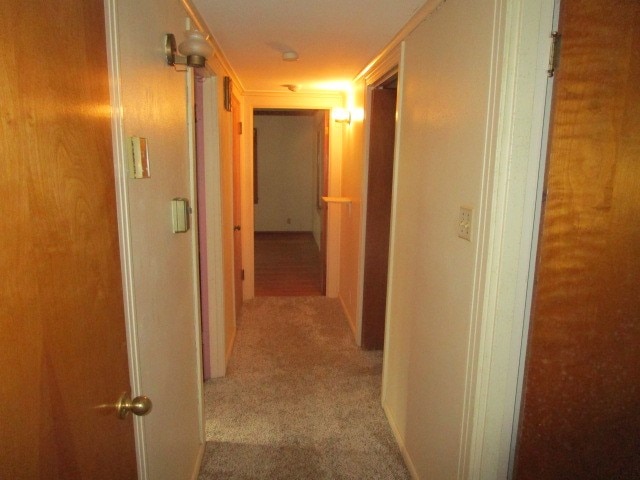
<point x="300" y="400"/>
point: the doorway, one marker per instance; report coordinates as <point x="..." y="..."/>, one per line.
<point x="290" y="177"/>
<point x="238" y="272"/>
<point x="378" y="212"/>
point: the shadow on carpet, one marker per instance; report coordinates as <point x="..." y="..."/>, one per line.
<point x="300" y="399"/>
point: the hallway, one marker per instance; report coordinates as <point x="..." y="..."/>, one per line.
<point x="287" y="264"/>
<point x="300" y="400"/>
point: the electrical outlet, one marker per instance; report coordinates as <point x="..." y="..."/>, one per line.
<point x="465" y="223"/>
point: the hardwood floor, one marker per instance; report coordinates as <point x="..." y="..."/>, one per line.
<point x="286" y="264"/>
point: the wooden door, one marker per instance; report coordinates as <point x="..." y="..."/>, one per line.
<point x="237" y="204"/>
<point x="63" y="349"/>
<point x="380" y="183"/>
<point x="581" y="399"/>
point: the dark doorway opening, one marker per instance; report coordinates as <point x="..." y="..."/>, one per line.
<point x="378" y="213"/>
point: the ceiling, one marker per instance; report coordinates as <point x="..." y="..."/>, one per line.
<point x="335" y="39"/>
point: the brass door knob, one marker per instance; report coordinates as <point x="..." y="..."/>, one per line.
<point x="138" y="406"/>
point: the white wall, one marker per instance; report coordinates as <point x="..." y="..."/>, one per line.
<point x="153" y="105"/>
<point x="464" y="312"/>
<point x="286" y="173"/>
<point x="353" y="176"/>
<point x="445" y="113"/>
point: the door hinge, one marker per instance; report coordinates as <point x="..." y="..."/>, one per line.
<point x="242" y="274"/>
<point x="239" y="128"/>
<point x="554" y="53"/>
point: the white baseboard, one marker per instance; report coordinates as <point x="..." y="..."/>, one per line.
<point x="196" y="469"/>
<point x="230" y="348"/>
<point x="350" y="321"/>
<point x="400" y="442"/>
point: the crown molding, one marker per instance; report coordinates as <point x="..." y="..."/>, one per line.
<point x="199" y="22"/>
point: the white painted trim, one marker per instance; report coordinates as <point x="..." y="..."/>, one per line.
<point x="215" y="259"/>
<point x="409" y="27"/>
<point x="244" y="133"/>
<point x="198" y="465"/>
<point x="403" y="449"/>
<point x="531" y="251"/>
<point x="507" y="225"/>
<point x="485" y="245"/>
<point x="292" y="100"/>
<point x="316" y="101"/>
<point x="350" y="321"/>
<point x="394" y="216"/>
<point x="195" y="247"/>
<point x="124" y="235"/>
<point x="232" y="343"/>
<point x="334" y="214"/>
<point x="387" y="67"/>
<point x="218" y="53"/>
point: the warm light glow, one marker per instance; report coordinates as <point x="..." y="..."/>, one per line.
<point x="333" y="85"/>
<point x="354" y="105"/>
<point x="341" y="115"/>
<point x="357" y="114"/>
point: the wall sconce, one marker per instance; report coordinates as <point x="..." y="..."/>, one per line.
<point x="195" y="49"/>
<point x="341" y="115"/>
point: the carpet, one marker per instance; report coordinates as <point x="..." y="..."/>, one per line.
<point x="300" y="399"/>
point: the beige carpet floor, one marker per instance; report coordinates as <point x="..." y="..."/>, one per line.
<point x="300" y="400"/>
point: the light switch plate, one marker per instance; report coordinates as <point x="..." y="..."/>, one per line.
<point x="180" y="215"/>
<point x="138" y="158"/>
<point x="465" y="223"/>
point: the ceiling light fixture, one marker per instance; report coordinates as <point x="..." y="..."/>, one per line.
<point x="195" y="49"/>
<point x="290" y="56"/>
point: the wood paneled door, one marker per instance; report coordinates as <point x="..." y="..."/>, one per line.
<point x="580" y="415"/>
<point x="63" y="348"/>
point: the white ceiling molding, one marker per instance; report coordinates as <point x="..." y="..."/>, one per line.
<point x="410" y="26"/>
<point x="334" y="39"/>
<point x="201" y="24"/>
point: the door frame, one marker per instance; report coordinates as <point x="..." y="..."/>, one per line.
<point x="311" y="101"/>
<point x="319" y="147"/>
<point x="508" y="227"/>
<point x="124" y="234"/>
<point x="237" y="130"/>
<point x="122" y="202"/>
<point x="214" y="215"/>
<point x="383" y="71"/>
<point x="534" y="254"/>
<point x="364" y="264"/>
<point x="195" y="258"/>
